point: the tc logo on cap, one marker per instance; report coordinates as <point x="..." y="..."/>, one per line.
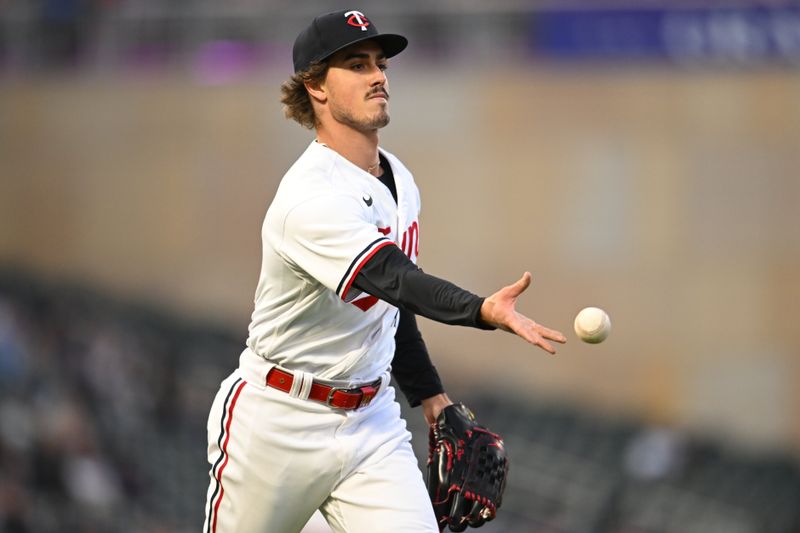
<point x="357" y="19"/>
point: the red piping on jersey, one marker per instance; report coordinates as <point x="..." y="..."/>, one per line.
<point x="362" y="263"/>
<point x="225" y="452"/>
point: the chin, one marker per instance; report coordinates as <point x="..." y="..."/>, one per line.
<point x="381" y="120"/>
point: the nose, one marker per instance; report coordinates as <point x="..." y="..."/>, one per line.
<point x="378" y="76"/>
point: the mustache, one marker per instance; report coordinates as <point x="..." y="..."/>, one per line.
<point x="378" y="90"/>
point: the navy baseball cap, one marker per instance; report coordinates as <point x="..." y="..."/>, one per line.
<point x="329" y="33"/>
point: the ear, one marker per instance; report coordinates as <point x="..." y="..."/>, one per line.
<point x="317" y="91"/>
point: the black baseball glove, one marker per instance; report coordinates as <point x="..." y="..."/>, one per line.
<point x="467" y="469"/>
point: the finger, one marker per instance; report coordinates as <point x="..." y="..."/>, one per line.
<point x="546" y="346"/>
<point x="520" y="285"/>
<point x="536" y="333"/>
<point x="551" y="334"/>
<point x="533" y="337"/>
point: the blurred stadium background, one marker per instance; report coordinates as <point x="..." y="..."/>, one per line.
<point x="638" y="156"/>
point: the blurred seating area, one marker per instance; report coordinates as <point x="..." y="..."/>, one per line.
<point x="102" y="35"/>
<point x="103" y="407"/>
<point x="102" y="412"/>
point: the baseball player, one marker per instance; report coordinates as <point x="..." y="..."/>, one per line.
<point x="308" y="420"/>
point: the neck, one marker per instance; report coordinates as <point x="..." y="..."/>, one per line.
<point x="360" y="148"/>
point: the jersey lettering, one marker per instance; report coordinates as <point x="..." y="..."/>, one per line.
<point x="410" y="242"/>
<point x="410" y="247"/>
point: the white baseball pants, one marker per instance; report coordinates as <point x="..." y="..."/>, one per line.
<point x="275" y="459"/>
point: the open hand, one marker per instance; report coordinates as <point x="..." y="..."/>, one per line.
<point x="499" y="310"/>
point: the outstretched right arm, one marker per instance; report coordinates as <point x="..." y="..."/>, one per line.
<point x="394" y="278"/>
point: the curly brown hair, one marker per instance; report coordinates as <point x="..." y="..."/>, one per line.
<point x="294" y="96"/>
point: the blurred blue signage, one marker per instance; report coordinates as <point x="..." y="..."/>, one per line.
<point x="743" y="35"/>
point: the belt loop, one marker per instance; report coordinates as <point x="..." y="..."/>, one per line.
<point x="301" y="384"/>
<point x="305" y="388"/>
<point x="386" y="378"/>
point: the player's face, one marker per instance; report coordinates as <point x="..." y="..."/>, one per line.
<point x="357" y="86"/>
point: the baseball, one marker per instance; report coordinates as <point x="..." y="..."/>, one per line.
<point x="592" y="325"/>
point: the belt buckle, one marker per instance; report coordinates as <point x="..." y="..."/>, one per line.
<point x="334" y="390"/>
<point x="368" y="393"/>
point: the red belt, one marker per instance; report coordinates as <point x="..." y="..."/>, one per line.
<point x="352" y="398"/>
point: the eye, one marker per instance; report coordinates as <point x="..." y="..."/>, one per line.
<point x="357" y="66"/>
<point x="383" y="66"/>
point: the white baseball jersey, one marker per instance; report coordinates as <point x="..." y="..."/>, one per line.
<point x="326" y="221"/>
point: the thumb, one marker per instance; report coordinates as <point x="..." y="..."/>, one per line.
<point x="520" y="285"/>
